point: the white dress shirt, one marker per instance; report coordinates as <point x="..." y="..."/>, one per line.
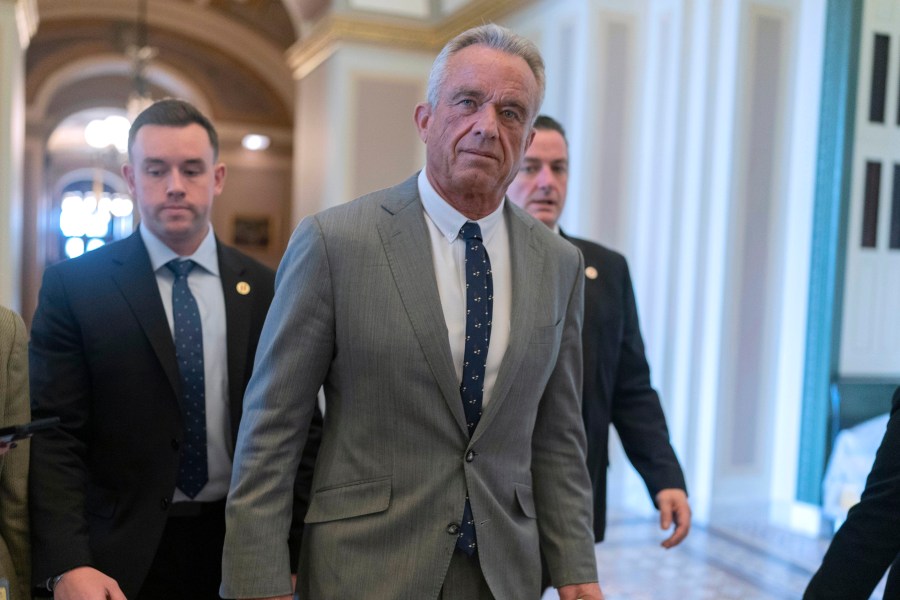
<point x="206" y="286"/>
<point x="448" y="251"/>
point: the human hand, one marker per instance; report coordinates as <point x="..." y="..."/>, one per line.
<point x="6" y="447"/>
<point x="673" y="507"/>
<point x="580" y="591"/>
<point x="87" y="583"/>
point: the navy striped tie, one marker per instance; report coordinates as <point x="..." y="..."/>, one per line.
<point x="479" y="307"/>
<point x="192" y="471"/>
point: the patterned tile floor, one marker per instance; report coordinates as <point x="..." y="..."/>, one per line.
<point x="746" y="559"/>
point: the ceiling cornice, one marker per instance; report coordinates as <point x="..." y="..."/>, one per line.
<point x="334" y="29"/>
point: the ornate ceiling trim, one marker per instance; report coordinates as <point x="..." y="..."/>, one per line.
<point x="333" y="29"/>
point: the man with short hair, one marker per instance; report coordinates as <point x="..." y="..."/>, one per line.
<point x="445" y="326"/>
<point x="616" y="387"/>
<point x="143" y="348"/>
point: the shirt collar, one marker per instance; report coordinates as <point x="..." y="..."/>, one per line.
<point x="206" y="255"/>
<point x="447" y="219"/>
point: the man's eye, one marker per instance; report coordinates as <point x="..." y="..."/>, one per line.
<point x="511" y="114"/>
<point x="529" y="169"/>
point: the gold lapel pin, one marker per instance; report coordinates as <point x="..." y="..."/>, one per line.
<point x="243" y="288"/>
<point x="590" y="272"/>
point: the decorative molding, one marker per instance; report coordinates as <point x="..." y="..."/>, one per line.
<point x="332" y="30"/>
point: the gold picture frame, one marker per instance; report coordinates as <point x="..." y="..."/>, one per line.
<point x="252" y="231"/>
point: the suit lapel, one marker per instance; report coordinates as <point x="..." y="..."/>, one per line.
<point x="135" y="278"/>
<point x="526" y="257"/>
<point x="238" y="317"/>
<point x="404" y="235"/>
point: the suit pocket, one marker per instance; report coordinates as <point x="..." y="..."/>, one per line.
<point x="100" y="502"/>
<point x="350" y="500"/>
<point x="547" y="335"/>
<point x="526" y="500"/>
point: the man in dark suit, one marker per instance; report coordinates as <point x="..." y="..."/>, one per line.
<point x="144" y="348"/>
<point x="869" y="540"/>
<point x="616" y="386"/>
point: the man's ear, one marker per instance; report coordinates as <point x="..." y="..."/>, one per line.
<point x="422" y="116"/>
<point x="219" y="174"/>
<point x="530" y="138"/>
<point x="128" y="174"/>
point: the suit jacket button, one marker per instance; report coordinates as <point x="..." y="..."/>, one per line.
<point x="164" y="504"/>
<point x="453" y="529"/>
<point x="470" y="456"/>
<point x="175" y="444"/>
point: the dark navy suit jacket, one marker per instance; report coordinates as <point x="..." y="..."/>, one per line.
<point x="869" y="540"/>
<point x="617" y="387"/>
<point x="103" y="360"/>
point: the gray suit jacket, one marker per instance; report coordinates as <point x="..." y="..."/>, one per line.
<point x="357" y="309"/>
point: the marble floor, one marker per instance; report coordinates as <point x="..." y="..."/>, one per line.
<point x="745" y="558"/>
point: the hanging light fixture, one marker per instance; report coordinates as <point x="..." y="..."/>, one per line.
<point x="140" y="53"/>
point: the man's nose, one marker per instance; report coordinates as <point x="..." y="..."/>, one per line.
<point x="545" y="177"/>
<point x="487" y="121"/>
<point x="176" y="182"/>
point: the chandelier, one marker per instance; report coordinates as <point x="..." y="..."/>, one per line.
<point x="140" y="53"/>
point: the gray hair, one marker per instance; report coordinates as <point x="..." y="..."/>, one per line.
<point x="495" y="37"/>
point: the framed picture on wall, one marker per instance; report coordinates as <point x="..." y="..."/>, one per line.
<point x="252" y="231"/>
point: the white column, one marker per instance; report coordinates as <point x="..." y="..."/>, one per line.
<point x="18" y="22"/>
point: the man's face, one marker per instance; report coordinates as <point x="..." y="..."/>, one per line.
<point x="173" y="177"/>
<point x="540" y="186"/>
<point x="478" y="130"/>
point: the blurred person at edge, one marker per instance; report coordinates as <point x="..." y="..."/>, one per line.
<point x="15" y="559"/>
<point x="868" y="542"/>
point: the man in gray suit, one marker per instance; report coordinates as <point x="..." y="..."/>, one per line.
<point x="445" y="326"/>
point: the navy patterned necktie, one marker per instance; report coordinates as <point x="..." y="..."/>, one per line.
<point x="479" y="307"/>
<point x="192" y="471"/>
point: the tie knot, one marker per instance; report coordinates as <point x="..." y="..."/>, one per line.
<point x="470" y="231"/>
<point x="180" y="268"/>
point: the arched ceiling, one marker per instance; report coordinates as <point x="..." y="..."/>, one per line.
<point x="267" y="17"/>
<point x="231" y="51"/>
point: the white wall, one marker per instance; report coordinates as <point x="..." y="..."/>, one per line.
<point x="337" y="102"/>
<point x="693" y="137"/>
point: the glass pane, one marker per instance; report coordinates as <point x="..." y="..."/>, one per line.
<point x="879" y="78"/>
<point x="895" y="209"/>
<point x="870" y="207"/>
